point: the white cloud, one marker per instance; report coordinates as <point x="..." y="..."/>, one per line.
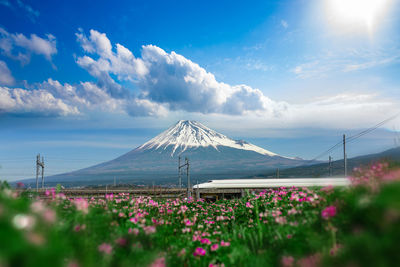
<point x="121" y="63"/>
<point x="33" y="102"/>
<point x="170" y="79"/>
<point x="343" y="111"/>
<point x="344" y="62"/>
<point x="347" y="110"/>
<point x="284" y="24"/>
<point x="6" y="77"/>
<point x="19" y="47"/>
<point x="51" y="98"/>
<point x="173" y="82"/>
<point x="143" y="107"/>
<point x="169" y="82"/>
<point x="88" y="96"/>
<point x="32" y="12"/>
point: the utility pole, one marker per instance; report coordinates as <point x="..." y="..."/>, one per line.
<point x="188" y="178"/>
<point x="42" y="172"/>
<point x="115" y="182"/>
<point x="39" y="164"/>
<point x="330" y="166"/>
<point x="344" y="155"/>
<point x="187" y="175"/>
<point x="179" y="172"/>
<point x="37" y="171"/>
<point x="277" y="173"/>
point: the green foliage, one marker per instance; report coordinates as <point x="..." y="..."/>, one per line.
<point x="354" y="226"/>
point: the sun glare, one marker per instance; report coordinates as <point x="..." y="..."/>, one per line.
<point x="357" y="12"/>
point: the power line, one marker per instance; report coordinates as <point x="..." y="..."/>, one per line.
<point x="351" y="138"/>
<point x="328" y="151"/>
<point x="356" y="136"/>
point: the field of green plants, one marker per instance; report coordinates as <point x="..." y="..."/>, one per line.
<point x="354" y="226"/>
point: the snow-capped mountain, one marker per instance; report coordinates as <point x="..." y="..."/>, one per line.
<point x="192" y="134"/>
<point x="211" y="154"/>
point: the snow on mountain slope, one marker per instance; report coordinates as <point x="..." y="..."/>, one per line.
<point x="192" y="134"/>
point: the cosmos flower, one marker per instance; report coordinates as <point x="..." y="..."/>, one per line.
<point x="105" y="248"/>
<point x="199" y="252"/>
<point x="328" y="212"/>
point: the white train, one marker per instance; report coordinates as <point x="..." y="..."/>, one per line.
<point x="271" y="183"/>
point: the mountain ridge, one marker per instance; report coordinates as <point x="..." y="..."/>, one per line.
<point x="186" y="133"/>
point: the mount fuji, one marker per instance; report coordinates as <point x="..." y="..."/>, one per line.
<point x="211" y="155"/>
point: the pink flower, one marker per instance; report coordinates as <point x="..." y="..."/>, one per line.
<point x="82" y="205"/>
<point x="105" y="248"/>
<point x="310" y="261"/>
<point x="49" y="216"/>
<point x="199" y="252"/>
<point x="280" y="220"/>
<point x="160" y="262"/>
<point x="248" y="205"/>
<point x="134" y="231"/>
<point x="214" y="247"/>
<point x="186" y="230"/>
<point x="183" y="209"/>
<point x="327" y="189"/>
<point x="287" y="261"/>
<point x="292" y="211"/>
<point x="328" y="212"/>
<point x="206" y="241"/>
<point x="149" y="229"/>
<point x="195" y="238"/>
<point x="134" y="220"/>
<point x="225" y="244"/>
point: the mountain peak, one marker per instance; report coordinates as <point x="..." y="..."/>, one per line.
<point x="192" y="134"/>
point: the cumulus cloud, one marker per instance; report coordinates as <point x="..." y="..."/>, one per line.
<point x="6" y="77"/>
<point x="121" y="62"/>
<point x="164" y="82"/>
<point x="170" y="79"/>
<point x="19" y="47"/>
<point x="52" y="98"/>
<point x="91" y="96"/>
<point x="34" y="102"/>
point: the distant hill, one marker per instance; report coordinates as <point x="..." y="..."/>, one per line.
<point x="322" y="169"/>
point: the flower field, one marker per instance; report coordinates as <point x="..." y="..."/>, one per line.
<point x="354" y="226"/>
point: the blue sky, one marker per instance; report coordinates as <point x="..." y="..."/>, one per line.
<point x="83" y="82"/>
